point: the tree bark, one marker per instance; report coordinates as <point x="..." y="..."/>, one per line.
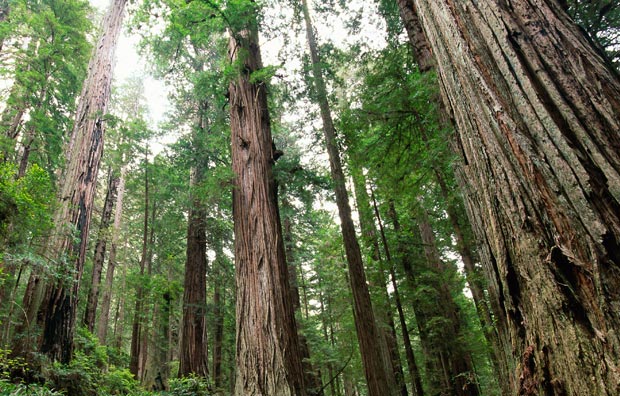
<point x="422" y="50"/>
<point x="414" y="371"/>
<point x="104" y="312"/>
<point x="537" y="117"/>
<point x="218" y="314"/>
<point x="78" y="191"/>
<point x="268" y="358"/>
<point x="367" y="332"/>
<point x="312" y="379"/>
<point x="100" y="248"/>
<point x="193" y="346"/>
<point x="137" y="353"/>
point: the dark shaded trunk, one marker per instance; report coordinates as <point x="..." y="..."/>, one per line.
<point x="268" y="357"/>
<point x="422" y="50"/>
<point x="219" y="304"/>
<point x="104" y="311"/>
<point x="312" y="377"/>
<point x="100" y="248"/>
<point x="193" y="346"/>
<point x="537" y="133"/>
<point x="138" y="333"/>
<point x="77" y="193"/>
<point x="384" y="310"/>
<point x="414" y="371"/>
<point x="367" y="332"/>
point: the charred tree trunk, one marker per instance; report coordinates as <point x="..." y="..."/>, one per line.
<point x="100" y="248"/>
<point x="367" y="332"/>
<point x="268" y="357"/>
<point x="78" y="191"/>
<point x="538" y="136"/>
<point x="104" y="312"/>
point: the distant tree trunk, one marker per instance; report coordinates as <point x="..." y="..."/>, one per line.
<point x="536" y="112"/>
<point x="268" y="358"/>
<point x="415" y="33"/>
<point x="104" y="312"/>
<point x="475" y="282"/>
<point x="393" y="366"/>
<point x="119" y="315"/>
<point x="313" y="380"/>
<point x="4" y="15"/>
<point x="414" y="371"/>
<point x="193" y="346"/>
<point x="100" y="248"/>
<point x="136" y="353"/>
<point x="367" y="332"/>
<point x="456" y="362"/>
<point x="218" y="314"/>
<point x="78" y="192"/>
<point x="157" y="370"/>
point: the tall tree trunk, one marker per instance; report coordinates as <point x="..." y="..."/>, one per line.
<point x="475" y="282"/>
<point x="415" y="33"/>
<point x="100" y="248"/>
<point x="78" y="191"/>
<point x="268" y="358"/>
<point x="218" y="314"/>
<point x="193" y="346"/>
<point x="414" y="372"/>
<point x="367" y="332"/>
<point x="385" y="322"/>
<point x="538" y="135"/>
<point x="104" y="312"/>
<point x="456" y="361"/>
<point x="312" y="379"/>
<point x="136" y="352"/>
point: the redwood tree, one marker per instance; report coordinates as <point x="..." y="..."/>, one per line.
<point x="267" y="354"/>
<point x="537" y="117"/>
<point x="72" y="218"/>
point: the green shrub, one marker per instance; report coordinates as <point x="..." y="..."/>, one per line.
<point x="9" y="389"/>
<point x="189" y="386"/>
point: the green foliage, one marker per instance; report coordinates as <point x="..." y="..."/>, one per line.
<point x="9" y="364"/>
<point x="189" y="386"/>
<point x="25" y="203"/>
<point x="10" y="389"/>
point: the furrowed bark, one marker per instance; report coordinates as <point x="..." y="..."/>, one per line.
<point x="537" y="117"/>
<point x="268" y="357"/>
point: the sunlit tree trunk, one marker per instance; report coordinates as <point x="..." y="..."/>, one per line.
<point x="537" y="118"/>
<point x="268" y="357"/>
<point x="72" y="218"/>
<point x="367" y="332"/>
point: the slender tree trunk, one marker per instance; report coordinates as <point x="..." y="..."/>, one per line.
<point x="77" y="193"/>
<point x="119" y="316"/>
<point x="104" y="312"/>
<point x="414" y="372"/>
<point x="538" y="136"/>
<point x="268" y="357"/>
<point x="415" y="33"/>
<point x="193" y="346"/>
<point x="385" y="324"/>
<point x="312" y="379"/>
<point x="100" y="248"/>
<point x="218" y="314"/>
<point x="367" y="332"/>
<point x="137" y="351"/>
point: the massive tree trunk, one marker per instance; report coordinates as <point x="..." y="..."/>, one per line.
<point x="78" y="191"/>
<point x="537" y="117"/>
<point x="367" y="332"/>
<point x="100" y="248"/>
<point x="193" y="347"/>
<point x="104" y="312"/>
<point x="268" y="361"/>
